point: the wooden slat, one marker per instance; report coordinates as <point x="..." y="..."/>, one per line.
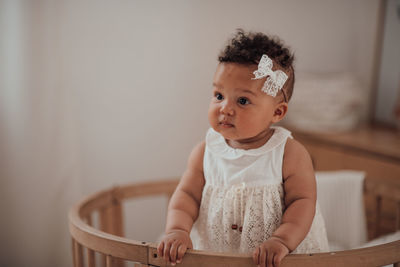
<point x="111" y="218"/>
<point x="73" y="252"/>
<point x="77" y="254"/>
<point x="90" y="258"/>
<point x="388" y="188"/>
<point x="388" y="216"/>
<point x="79" y="249"/>
<point x="111" y="221"/>
<point x="117" y="218"/>
<point x="109" y="261"/>
<point x="95" y="202"/>
<point x="88" y="220"/>
<point x="398" y="216"/>
<point x="90" y="253"/>
<point x="378" y="203"/>
<point x="105" y="226"/>
<point x="105" y="219"/>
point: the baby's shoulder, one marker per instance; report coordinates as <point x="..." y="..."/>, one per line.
<point x="199" y="148"/>
<point x="296" y="157"/>
<point x="196" y="156"/>
<point x="295" y="148"/>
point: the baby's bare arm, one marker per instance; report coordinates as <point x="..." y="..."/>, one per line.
<point x="300" y="195"/>
<point x="183" y="208"/>
<point x="300" y="198"/>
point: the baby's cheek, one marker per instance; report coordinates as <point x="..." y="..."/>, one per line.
<point x="248" y="125"/>
<point x="212" y="119"/>
<point x="213" y="115"/>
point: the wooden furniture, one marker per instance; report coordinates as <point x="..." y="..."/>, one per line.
<point x="373" y="150"/>
<point x="108" y="240"/>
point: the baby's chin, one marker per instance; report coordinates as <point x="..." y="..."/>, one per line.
<point x="235" y="135"/>
<point x="229" y="133"/>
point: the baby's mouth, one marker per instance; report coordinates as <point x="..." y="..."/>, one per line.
<point x="226" y="124"/>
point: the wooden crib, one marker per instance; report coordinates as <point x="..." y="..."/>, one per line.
<point x="115" y="250"/>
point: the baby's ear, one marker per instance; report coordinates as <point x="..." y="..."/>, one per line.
<point x="280" y="112"/>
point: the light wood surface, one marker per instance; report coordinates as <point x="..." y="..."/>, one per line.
<point x="375" y="141"/>
<point x="115" y="248"/>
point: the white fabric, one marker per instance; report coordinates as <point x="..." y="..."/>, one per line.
<point x="338" y="107"/>
<point x="244" y="188"/>
<point x="340" y="195"/>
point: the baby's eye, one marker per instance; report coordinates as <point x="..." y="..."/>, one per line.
<point x="218" y="96"/>
<point x="243" y="101"/>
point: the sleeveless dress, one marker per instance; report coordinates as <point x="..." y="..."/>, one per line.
<point x="242" y="201"/>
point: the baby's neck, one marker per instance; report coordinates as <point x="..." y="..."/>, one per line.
<point x="254" y="142"/>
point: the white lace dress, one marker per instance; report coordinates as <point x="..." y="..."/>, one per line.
<point x="242" y="202"/>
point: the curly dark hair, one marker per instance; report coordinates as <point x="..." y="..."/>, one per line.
<point x="248" y="48"/>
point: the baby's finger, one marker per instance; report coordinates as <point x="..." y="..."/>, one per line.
<point x="277" y="259"/>
<point x="181" y="251"/>
<point x="167" y="247"/>
<point x="256" y="254"/>
<point x="270" y="259"/>
<point x="173" y="251"/>
<point x="160" y="249"/>
<point x="263" y="257"/>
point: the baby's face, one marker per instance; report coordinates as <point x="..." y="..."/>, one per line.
<point x="239" y="110"/>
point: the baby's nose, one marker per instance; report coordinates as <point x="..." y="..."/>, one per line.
<point x="227" y="108"/>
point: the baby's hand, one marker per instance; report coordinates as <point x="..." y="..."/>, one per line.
<point x="270" y="253"/>
<point x="174" y="245"/>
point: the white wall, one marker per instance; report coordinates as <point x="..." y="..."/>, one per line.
<point x="96" y="93"/>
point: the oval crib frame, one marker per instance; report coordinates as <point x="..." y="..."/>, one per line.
<point x="114" y="248"/>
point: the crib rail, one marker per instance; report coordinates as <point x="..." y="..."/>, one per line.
<point x="108" y="241"/>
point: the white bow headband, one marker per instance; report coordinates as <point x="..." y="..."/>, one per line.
<point x="275" y="80"/>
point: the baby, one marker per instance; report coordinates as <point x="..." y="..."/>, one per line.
<point x="249" y="187"/>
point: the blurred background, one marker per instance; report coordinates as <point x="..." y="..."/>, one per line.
<point x="99" y="93"/>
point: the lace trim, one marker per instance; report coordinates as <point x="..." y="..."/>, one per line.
<point x="239" y="218"/>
